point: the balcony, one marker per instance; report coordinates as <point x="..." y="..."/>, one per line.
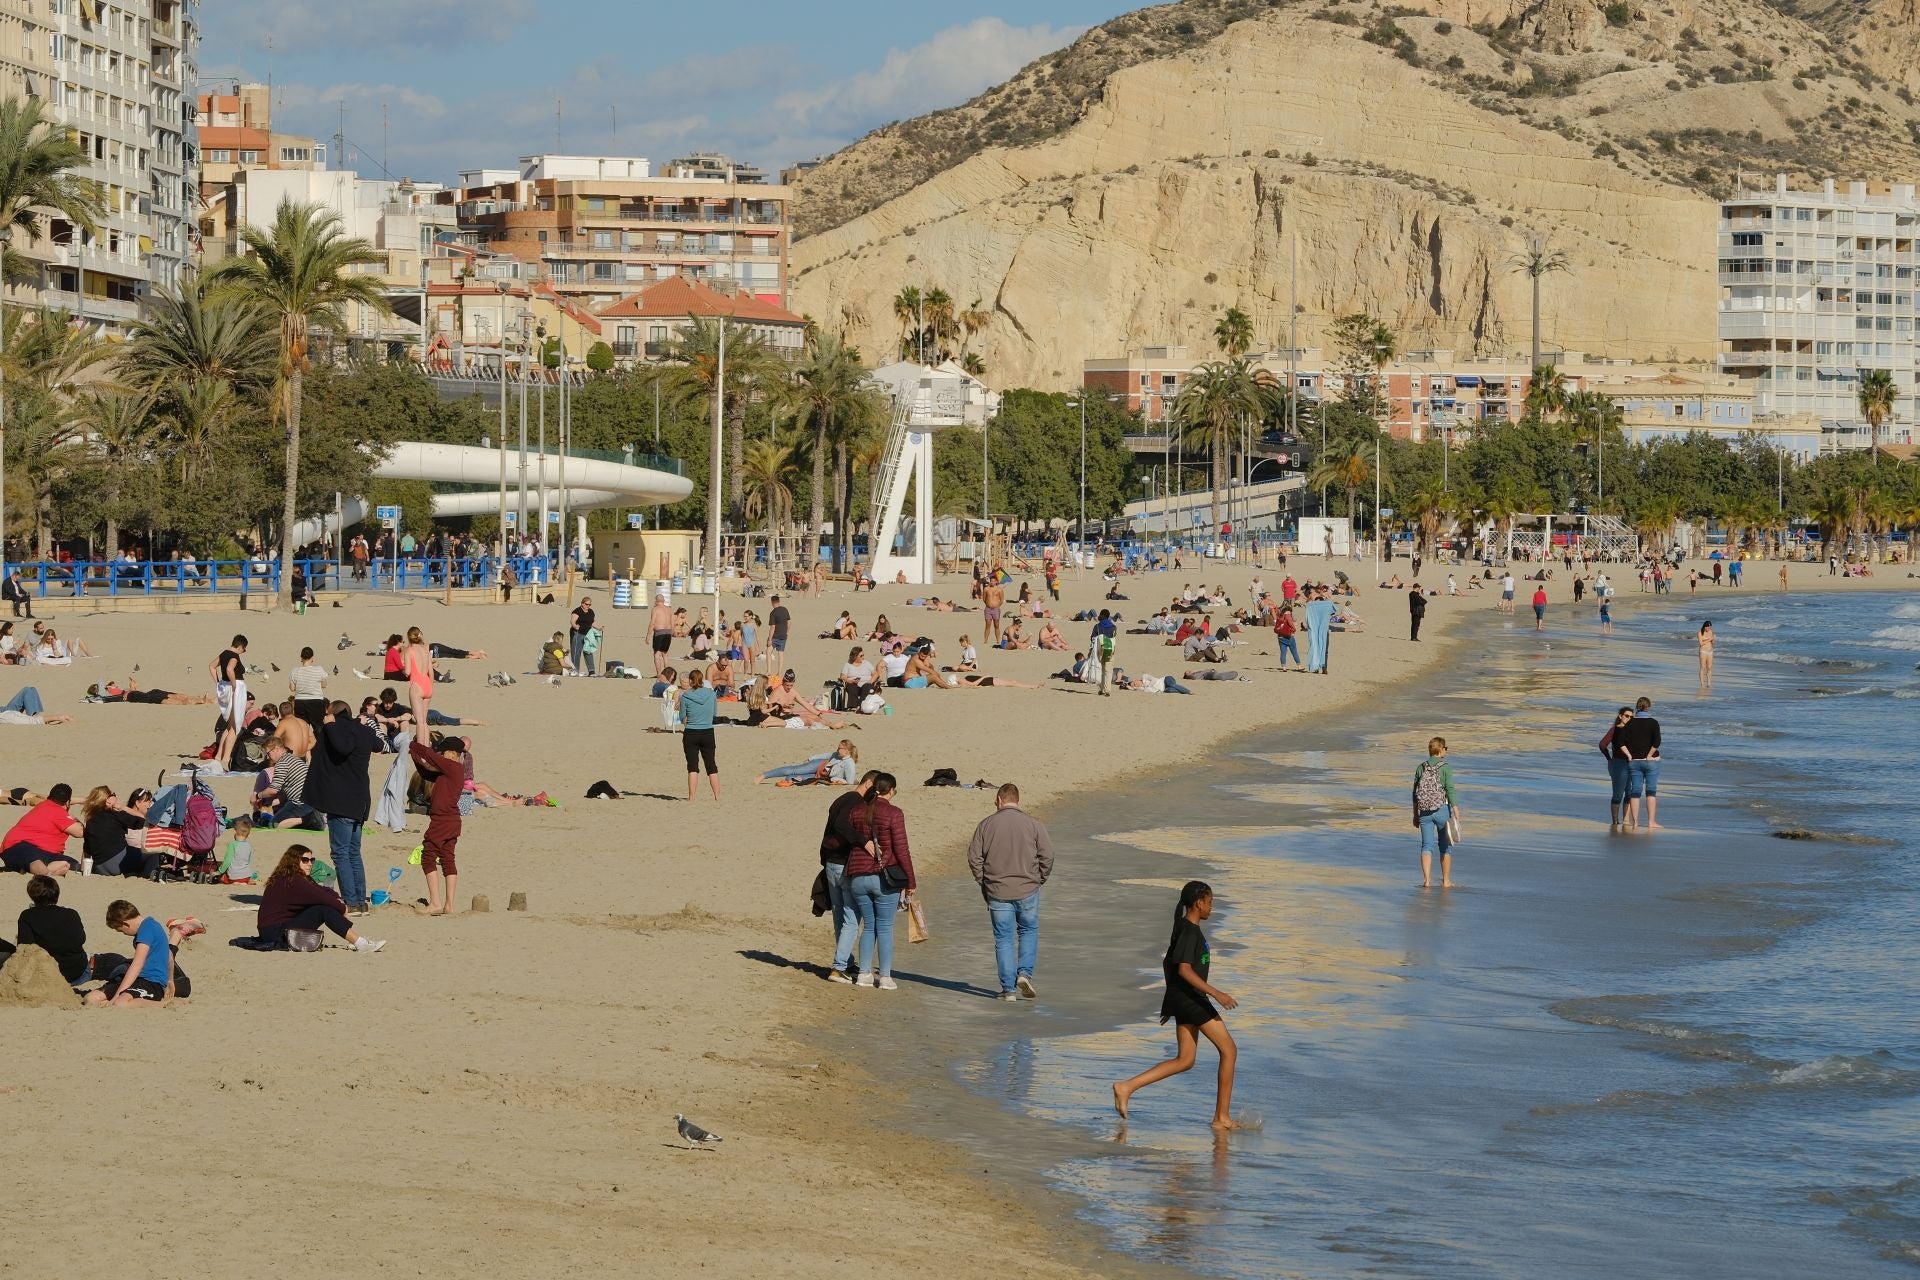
<point x="659" y="350"/>
<point x="626" y="349"/>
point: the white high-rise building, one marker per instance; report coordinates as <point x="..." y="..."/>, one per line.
<point x="1817" y="287"/>
<point x="121" y="76"/>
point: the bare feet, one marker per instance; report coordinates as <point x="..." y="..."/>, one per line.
<point x="1446" y="884"/>
<point x="1223" y="1123"/>
<point x="1426" y="884"/>
<point x="1120" y="1096"/>
<point x="1654" y="826"/>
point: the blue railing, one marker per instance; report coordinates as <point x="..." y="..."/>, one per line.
<point x="215" y="577"/>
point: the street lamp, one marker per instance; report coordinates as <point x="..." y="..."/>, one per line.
<point x="540" y="338"/>
<point x="520" y="520"/>
<point x="502" y="285"/>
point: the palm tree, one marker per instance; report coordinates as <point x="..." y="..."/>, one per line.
<point x="1217" y="398"/>
<point x="298" y="273"/>
<point x="1654" y="519"/>
<point x="1348" y="463"/>
<point x="1537" y="260"/>
<point x="772" y="467"/>
<point x="750" y="363"/>
<point x="199" y="412"/>
<point x="1431" y="505"/>
<point x="972" y="321"/>
<point x="117" y="429"/>
<point x="1546" y="391"/>
<point x="973" y="365"/>
<point x="907" y="306"/>
<point x="35" y="157"/>
<point x="827" y="385"/>
<point x="1233" y="333"/>
<point x="1878" y="396"/>
<point x="940" y="322"/>
<point x="197" y="332"/>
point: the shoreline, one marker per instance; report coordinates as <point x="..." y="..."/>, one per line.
<point x="507" y="1081"/>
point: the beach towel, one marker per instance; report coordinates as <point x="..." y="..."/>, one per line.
<point x="391" y="809"/>
<point x="1319" y="624"/>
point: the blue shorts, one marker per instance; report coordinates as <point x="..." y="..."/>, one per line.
<point x="1506" y="595"/>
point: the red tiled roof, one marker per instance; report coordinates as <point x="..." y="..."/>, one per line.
<point x="677" y="296"/>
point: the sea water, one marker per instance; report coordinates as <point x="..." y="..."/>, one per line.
<point x="1693" y="1052"/>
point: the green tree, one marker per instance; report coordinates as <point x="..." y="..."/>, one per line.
<point x="1546" y="392"/>
<point x="298" y="272"/>
<point x="600" y="357"/>
<point x="1363" y="348"/>
<point x="827" y="385"/>
<point x="907" y="309"/>
<point x="750" y="364"/>
<point x="1233" y="333"/>
<point x="1878" y="396"/>
<point x="118" y="431"/>
<point x="37" y="157"/>
<point x="1348" y="464"/>
<point x="1216" y="402"/>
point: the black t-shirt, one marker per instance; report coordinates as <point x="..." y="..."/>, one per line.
<point x="58" y="929"/>
<point x="106" y="833"/>
<point x="1183" y="1001"/>
<point x="779" y="620"/>
<point x="1638" y="738"/>
<point x="582" y="620"/>
<point x="230" y="666"/>
<point x="1416" y="603"/>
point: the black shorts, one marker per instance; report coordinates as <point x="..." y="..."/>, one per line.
<point x="698" y="744"/>
<point x="145" y="989"/>
<point x="153" y="697"/>
<point x="1187" y="1010"/>
<point x="21" y="858"/>
<point x="662" y="641"/>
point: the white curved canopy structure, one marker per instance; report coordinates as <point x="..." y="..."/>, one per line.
<point x="591" y="483"/>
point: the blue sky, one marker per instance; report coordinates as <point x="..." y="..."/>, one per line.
<point x="471" y="83"/>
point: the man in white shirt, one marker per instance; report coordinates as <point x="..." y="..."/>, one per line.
<point x="1506" y="592"/>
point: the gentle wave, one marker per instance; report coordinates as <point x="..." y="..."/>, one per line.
<point x="1906" y="611"/>
<point x="1754" y="624"/>
<point x="1903" y="637"/>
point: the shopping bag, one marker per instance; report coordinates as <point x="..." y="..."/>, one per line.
<point x="916" y="918"/>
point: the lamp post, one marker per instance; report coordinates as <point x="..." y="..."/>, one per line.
<point x="6" y="242"/>
<point x="1376" y="506"/>
<point x="504" y="551"/>
<point x="520" y="520"/>
<point x="540" y="339"/>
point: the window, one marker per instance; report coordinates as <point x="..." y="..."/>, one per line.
<point x="1679" y="411"/>
<point x="657" y="333"/>
<point x="219" y="155"/>
<point x="603" y="270"/>
<point x="249" y="157"/>
<point x="603" y="239"/>
<point x="294" y="155"/>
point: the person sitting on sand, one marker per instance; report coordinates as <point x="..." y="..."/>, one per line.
<point x="1078" y="673"/>
<point x="843" y="628"/>
<point x="1013" y="639"/>
<point x="1199" y="647"/>
<point x="151" y="976"/>
<point x="837" y="768"/>
<point x="280" y="802"/>
<point x="969" y="656"/>
<point x="1050" y="638"/>
<point x="55" y="929"/>
<point x="36" y="845"/>
<point x="49" y="651"/>
<point x="918" y="671"/>
<point x="553" y="656"/>
<point x="722" y="677"/>
<point x="882" y="630"/>
<point x="292" y="900"/>
<point x="785" y="704"/>
<point x="857" y="677"/>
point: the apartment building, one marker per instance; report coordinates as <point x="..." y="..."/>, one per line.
<point x="237" y="138"/>
<point x="644" y="325"/>
<point x="114" y="74"/>
<point x="601" y="227"/>
<point x="1817" y="287"/>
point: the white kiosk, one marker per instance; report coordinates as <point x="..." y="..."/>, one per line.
<point x="925" y="400"/>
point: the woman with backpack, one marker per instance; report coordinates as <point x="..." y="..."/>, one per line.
<point x="878" y="872"/>
<point x="1434" y="809"/>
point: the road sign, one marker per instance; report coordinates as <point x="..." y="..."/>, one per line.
<point x="1386" y="513"/>
<point x="513" y="519"/>
<point x="634" y="519"/>
<point x="553" y="517"/>
<point x="389" y="517"/>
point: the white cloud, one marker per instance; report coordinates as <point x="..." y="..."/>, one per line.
<point x="304" y="26"/>
<point x="945" y="70"/>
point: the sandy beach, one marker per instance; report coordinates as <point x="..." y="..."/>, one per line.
<point x="494" y="1092"/>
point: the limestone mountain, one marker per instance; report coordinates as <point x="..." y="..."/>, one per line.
<point x="1130" y="188"/>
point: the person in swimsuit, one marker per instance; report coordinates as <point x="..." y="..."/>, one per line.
<point x="660" y="623"/>
<point x="1189" y="1005"/>
<point x="993" y="596"/>
<point x="419" y="664"/>
<point x="1706" y="656"/>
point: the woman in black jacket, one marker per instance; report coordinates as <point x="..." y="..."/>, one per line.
<point x="337" y="786"/>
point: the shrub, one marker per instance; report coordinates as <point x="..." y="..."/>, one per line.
<point x="1443" y="28"/>
<point x="1618" y="14"/>
<point x="599" y="357"/>
<point x="1703" y="175"/>
<point x="1604" y="151"/>
<point x="1455" y="62"/>
<point x="1309" y="160"/>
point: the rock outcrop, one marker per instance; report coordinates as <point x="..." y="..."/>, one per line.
<point x="1410" y="157"/>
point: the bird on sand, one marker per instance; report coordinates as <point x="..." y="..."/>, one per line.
<point x="696" y="1138"/>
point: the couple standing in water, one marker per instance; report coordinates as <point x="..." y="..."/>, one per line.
<point x="1631" y="747"/>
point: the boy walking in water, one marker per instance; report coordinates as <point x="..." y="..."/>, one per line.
<point x="1189" y="1005"/>
<point x="449" y="777"/>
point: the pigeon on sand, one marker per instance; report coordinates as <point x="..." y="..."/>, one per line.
<point x="695" y="1137"/>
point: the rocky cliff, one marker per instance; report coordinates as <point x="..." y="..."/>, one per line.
<point x="1408" y="156"/>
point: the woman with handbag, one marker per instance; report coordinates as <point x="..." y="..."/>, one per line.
<point x="878" y="872"/>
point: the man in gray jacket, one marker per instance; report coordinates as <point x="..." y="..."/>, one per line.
<point x="1011" y="856"/>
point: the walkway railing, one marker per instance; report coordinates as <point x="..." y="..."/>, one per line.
<point x="229" y="577"/>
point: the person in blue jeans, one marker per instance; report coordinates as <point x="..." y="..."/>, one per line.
<point x="1434" y="806"/>
<point x="878" y="870"/>
<point x="1011" y="856"/>
<point x="338" y="786"/>
<point x="1638" y="743"/>
<point x="836" y="843"/>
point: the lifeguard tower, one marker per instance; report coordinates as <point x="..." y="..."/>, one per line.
<point x="925" y="400"/>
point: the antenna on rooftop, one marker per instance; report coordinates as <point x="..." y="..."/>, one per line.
<point x="558" y="120"/>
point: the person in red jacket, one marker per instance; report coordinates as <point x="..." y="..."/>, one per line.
<point x="449" y="777"/>
<point x="37" y="844"/>
<point x="876" y="894"/>
<point x="292" y="900"/>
